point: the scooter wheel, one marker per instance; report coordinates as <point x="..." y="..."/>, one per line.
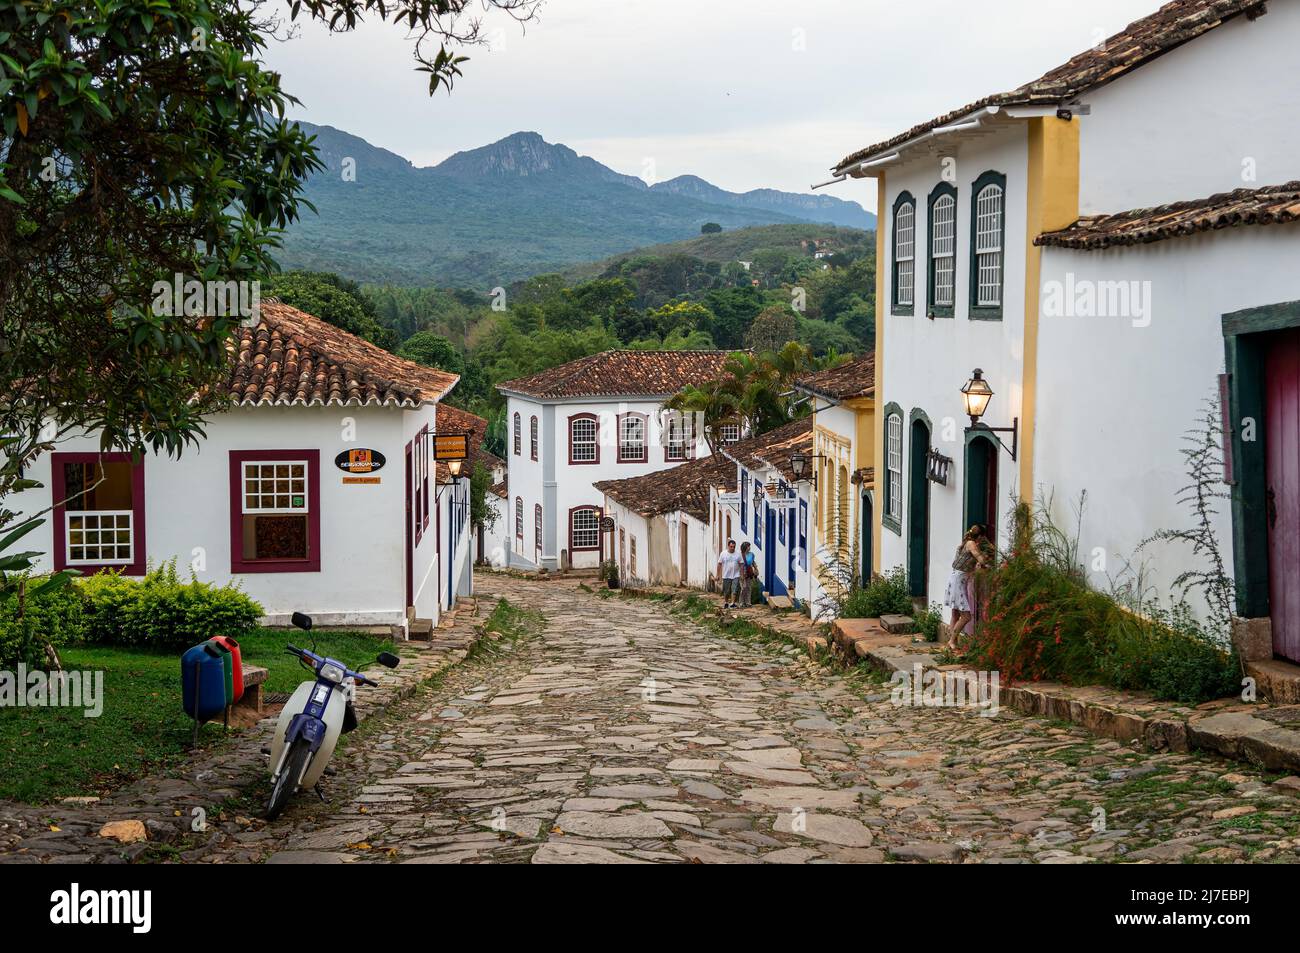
<point x="294" y="766"/>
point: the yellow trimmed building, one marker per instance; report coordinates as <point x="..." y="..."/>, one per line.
<point x="1011" y="367"/>
<point x="842" y="472"/>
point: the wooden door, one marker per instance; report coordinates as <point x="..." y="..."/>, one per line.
<point x="684" y="543"/>
<point x="410" y="533"/>
<point x="1282" y="493"/>
<point x="918" y="511"/>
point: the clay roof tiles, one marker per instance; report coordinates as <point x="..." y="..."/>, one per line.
<point x="621" y="373"/>
<point x="853" y="378"/>
<point x="292" y="358"/>
<point x="1269" y="205"/>
<point x="684" y="487"/>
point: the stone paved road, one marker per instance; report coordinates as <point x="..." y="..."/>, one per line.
<point x="624" y="733"/>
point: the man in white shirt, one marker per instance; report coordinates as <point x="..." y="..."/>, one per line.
<point x="730" y="569"/>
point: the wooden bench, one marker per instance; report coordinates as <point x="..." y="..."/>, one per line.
<point x="254" y="677"/>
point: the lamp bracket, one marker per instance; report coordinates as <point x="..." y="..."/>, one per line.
<point x="1014" y="430"/>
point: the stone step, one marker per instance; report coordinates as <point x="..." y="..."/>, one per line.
<point x="420" y="630"/>
<point x="779" y="602"/>
<point x="897" y="624"/>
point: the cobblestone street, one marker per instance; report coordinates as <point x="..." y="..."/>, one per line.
<point x="624" y="733"/>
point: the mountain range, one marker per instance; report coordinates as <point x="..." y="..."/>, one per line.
<point x="505" y="211"/>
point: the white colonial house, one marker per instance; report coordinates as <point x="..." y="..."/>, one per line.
<point x="771" y="510"/>
<point x="662" y="527"/>
<point x="1099" y="245"/>
<point x="315" y="491"/>
<point x="594" y="419"/>
<point x="841" y="468"/>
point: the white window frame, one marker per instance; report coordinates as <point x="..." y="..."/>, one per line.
<point x="990" y="208"/>
<point x="905" y="254"/>
<point x="894" y="464"/>
<point x="632" y="450"/>
<point x="98" y="530"/>
<point x="593" y="443"/>
<point x="943" y="250"/>
<point x="594" y="529"/>
<point x="276" y="510"/>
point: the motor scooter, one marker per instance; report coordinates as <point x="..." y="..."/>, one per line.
<point x="312" y="720"/>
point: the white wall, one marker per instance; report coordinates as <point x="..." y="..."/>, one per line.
<point x="425" y="563"/>
<point x="559" y="486"/>
<point x="926" y="362"/>
<point x="187" y="511"/>
<point x="496" y="539"/>
<point x="1116" y="429"/>
<point x="1185" y="125"/>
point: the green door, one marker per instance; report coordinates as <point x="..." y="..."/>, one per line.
<point x="918" y="511"/>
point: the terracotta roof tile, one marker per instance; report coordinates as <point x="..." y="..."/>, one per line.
<point x="292" y="358"/>
<point x="1269" y="205"/>
<point x="853" y="378"/>
<point x="774" y="448"/>
<point x="1140" y="42"/>
<point x="623" y="373"/>
<point x="684" y="487"/>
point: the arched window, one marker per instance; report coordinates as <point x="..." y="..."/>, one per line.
<point x="988" y="231"/>
<point x="843" y="525"/>
<point x="519" y="517"/>
<point x="584" y="445"/>
<point x="904" y="271"/>
<point x="943" y="250"/>
<point x="537" y="525"/>
<point x="532" y="427"/>
<point x="584" y="528"/>
<point x="893" y="514"/>
<point x="517" y="435"/>
<point x="631" y="438"/>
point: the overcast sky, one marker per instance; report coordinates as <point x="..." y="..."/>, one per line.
<point x="745" y="93"/>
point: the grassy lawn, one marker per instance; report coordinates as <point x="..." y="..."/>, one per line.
<point x="48" y="753"/>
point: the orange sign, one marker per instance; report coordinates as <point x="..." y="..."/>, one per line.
<point x="362" y="479"/>
<point x="450" y="446"/>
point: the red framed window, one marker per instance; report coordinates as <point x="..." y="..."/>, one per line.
<point x="519" y="517"/>
<point x="422" y="454"/>
<point x="584" y="528"/>
<point x="275" y="511"/>
<point x="632" y="438"/>
<point x="532" y="426"/>
<point x="518" y="434"/>
<point x="584" y="439"/>
<point x="537" y="525"/>
<point x="99" y="512"/>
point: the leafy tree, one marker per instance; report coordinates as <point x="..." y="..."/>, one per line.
<point x="733" y="310"/>
<point x="431" y="350"/>
<point x="333" y="299"/>
<point x="142" y="140"/>
<point x="710" y="228"/>
<point x="771" y="328"/>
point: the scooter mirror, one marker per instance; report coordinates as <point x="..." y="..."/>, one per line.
<point x="301" y="621"/>
<point x="388" y="660"/>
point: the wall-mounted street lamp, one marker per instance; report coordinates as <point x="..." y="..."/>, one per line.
<point x="976" y="394"/>
<point x="801" y="465"/>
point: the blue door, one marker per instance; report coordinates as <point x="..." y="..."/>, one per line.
<point x="790" y="545"/>
<point x="772" y="582"/>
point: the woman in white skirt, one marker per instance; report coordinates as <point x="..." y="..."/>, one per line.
<point x="971" y="553"/>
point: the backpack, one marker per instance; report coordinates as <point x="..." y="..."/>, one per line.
<point x="751" y="570"/>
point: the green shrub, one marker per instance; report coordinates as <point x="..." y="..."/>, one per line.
<point x="55" y="617"/>
<point x="161" y="612"/>
<point x="884" y="595"/>
<point x="928" y="622"/>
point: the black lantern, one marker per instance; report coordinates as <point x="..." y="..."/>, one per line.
<point x="798" y="464"/>
<point x="976" y="394"/>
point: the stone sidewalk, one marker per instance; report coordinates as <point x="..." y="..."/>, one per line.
<point x="625" y="733"/>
